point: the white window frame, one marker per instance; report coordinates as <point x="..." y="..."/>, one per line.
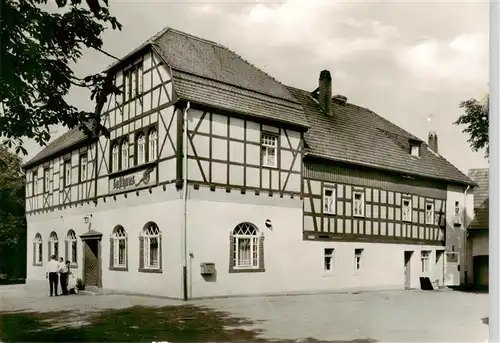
<point x="141" y="148"/>
<point x="425" y="259"/>
<point x="246" y="236"/>
<point x="126" y="85"/>
<point x="53" y="243"/>
<point x="46" y="180"/>
<point x="38" y="242"/>
<point x="83" y="167"/>
<point x="138" y="71"/>
<point x="415" y="150"/>
<point x="124" y="151"/>
<point x="151" y="232"/>
<point x="456" y="214"/>
<point x="72" y="246"/>
<point x="115" y="158"/>
<point x="133" y="82"/>
<point x="153" y="145"/>
<point x="269" y="148"/>
<point x="358" y="259"/>
<point x="429" y="214"/>
<point x="119" y="235"/>
<point x="328" y="260"/>
<point x="329" y="201"/>
<point x="362" y="200"/>
<point x="67" y="173"/>
<point x="35" y="183"/>
<point x="406" y="211"/>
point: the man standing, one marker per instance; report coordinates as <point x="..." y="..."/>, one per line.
<point x="64" y="271"/>
<point x="52" y="270"/>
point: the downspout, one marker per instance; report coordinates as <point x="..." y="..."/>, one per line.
<point x="184" y="197"/>
<point x="465" y="236"/>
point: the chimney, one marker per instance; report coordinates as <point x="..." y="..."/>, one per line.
<point x="433" y="141"/>
<point x="325" y="92"/>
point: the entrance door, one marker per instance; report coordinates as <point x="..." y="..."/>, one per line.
<point x="452" y="269"/>
<point x="91" y="265"/>
<point x="408" y="255"/>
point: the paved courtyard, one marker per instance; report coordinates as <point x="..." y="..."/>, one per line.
<point x="414" y="316"/>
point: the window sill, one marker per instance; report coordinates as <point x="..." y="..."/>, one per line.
<point x="329" y="213"/>
<point x="358" y="215"/>
<point x="150" y="270"/>
<point x="247" y="270"/>
<point x="73" y="265"/>
<point x="329" y="274"/>
<point x="269" y="167"/>
<point x="37" y="264"/>
<point x="132" y="169"/>
<point x="119" y="269"/>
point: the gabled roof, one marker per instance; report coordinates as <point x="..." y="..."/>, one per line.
<point x="357" y="135"/>
<point x="66" y="140"/>
<point x="481" y="198"/>
<point x="210" y="74"/>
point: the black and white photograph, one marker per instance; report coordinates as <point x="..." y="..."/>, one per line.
<point x="249" y="171"/>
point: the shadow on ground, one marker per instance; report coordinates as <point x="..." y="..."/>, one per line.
<point x="185" y="323"/>
<point x="470" y="289"/>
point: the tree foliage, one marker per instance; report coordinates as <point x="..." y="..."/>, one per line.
<point x="476" y="120"/>
<point x="37" y="48"/>
<point x="12" y="187"/>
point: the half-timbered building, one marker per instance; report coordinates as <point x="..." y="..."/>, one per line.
<point x="219" y="180"/>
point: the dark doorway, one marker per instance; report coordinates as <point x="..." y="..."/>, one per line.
<point x="92" y="270"/>
<point x="480" y="270"/>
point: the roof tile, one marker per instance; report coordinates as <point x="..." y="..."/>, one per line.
<point x="354" y="134"/>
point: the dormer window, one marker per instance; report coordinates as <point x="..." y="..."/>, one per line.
<point x="415" y="149"/>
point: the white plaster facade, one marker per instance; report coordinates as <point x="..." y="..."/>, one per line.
<point x="162" y="207"/>
<point x="456" y="234"/>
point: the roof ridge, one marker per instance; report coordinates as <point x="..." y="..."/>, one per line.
<point x="230" y="84"/>
<point x="204" y="40"/>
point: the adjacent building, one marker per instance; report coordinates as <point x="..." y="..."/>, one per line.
<point x="478" y="231"/>
<point x="219" y="180"/>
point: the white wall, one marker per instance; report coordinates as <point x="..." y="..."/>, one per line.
<point x="162" y="207"/>
<point x="455" y="235"/>
<point x="291" y="264"/>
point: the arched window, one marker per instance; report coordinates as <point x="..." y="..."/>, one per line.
<point x="247" y="248"/>
<point x="124" y="154"/>
<point x="71" y="248"/>
<point x="153" y="145"/>
<point x="150" y="248"/>
<point x="115" y="158"/>
<point x="37" y="250"/>
<point x="118" y="249"/>
<point x="141" y="149"/>
<point x="53" y="245"/>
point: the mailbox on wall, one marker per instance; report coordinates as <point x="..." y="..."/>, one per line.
<point x="207" y="268"/>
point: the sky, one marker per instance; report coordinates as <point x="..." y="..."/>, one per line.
<point x="410" y="62"/>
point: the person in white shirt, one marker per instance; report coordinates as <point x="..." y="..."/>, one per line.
<point x="52" y="270"/>
<point x="63" y="275"/>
